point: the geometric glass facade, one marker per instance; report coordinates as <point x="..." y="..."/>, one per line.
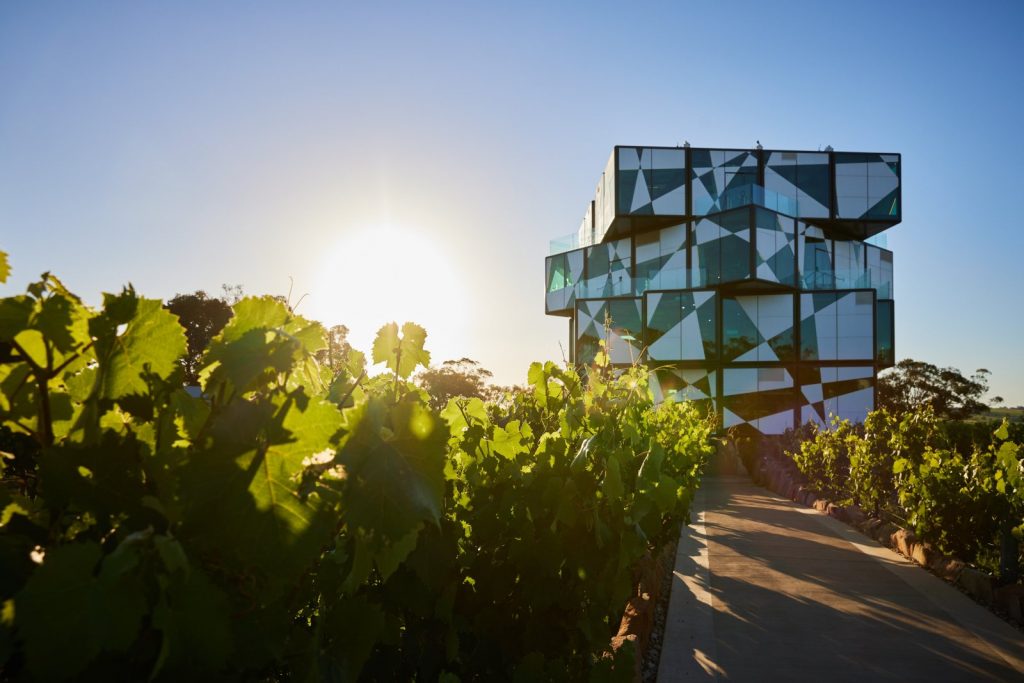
<point x="746" y="279"/>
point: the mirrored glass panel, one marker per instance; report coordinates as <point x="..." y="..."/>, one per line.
<point x="609" y="268"/>
<point x="855" y="326"/>
<point x="651" y="181"/>
<point x="762" y="398"/>
<point x="661" y="259"/>
<point x="719" y="174"/>
<point x="818" y="326"/>
<point x="867" y="186"/>
<point x="776" y="248"/>
<point x="758" y="328"/>
<point x="616" y="322"/>
<point x="837" y="326"/>
<point x="604" y="201"/>
<point x="680" y="325"/>
<point x="844" y="392"/>
<point x="804" y="176"/>
<point x="722" y="248"/>
<point x="685" y="384"/>
<point x="885" y="353"/>
<point x="564" y="273"/>
<point x="880" y="271"/>
<point x="851" y="271"/>
<point x="815" y="258"/>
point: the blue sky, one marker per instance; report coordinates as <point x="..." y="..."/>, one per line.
<point x="435" y="148"/>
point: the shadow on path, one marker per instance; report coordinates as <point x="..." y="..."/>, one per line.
<point x="764" y="591"/>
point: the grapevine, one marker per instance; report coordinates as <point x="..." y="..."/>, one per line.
<point x="295" y="522"/>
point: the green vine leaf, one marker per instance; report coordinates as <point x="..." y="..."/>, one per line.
<point x="241" y="490"/>
<point x="395" y="477"/>
<point x="404" y="353"/>
<point x="193" y="617"/>
<point x="67" y="615"/>
<point x="152" y="342"/>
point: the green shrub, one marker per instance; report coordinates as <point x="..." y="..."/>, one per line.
<point x="824" y="459"/>
<point x="966" y="502"/>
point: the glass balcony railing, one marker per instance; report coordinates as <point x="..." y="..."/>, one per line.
<point x="879" y="240"/>
<point x="745" y="195"/>
<point x="565" y="243"/>
<point x="571" y="242"/>
<point x="622" y="285"/>
<point x="734" y="198"/>
<point x="847" y="279"/>
<point x="606" y="286"/>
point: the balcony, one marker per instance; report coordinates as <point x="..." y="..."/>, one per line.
<point x="735" y="198"/>
<point x="747" y="195"/>
<point x="562" y="298"/>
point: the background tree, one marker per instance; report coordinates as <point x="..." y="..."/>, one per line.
<point x="232" y="294"/>
<point x="335" y="356"/>
<point x="463" y="377"/>
<point x="912" y="384"/>
<point x="202" y="317"/>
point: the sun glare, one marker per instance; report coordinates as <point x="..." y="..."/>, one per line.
<point x="383" y="274"/>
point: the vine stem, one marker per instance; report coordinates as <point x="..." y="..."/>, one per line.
<point x="42" y="375"/>
<point x="398" y="364"/>
<point x="355" y="385"/>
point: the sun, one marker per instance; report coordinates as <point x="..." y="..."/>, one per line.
<point x="385" y="273"/>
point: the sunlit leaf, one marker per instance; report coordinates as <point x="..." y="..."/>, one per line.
<point x="402" y="354"/>
<point x="1003" y="432"/>
<point x="152" y="343"/>
<point x="251" y="313"/>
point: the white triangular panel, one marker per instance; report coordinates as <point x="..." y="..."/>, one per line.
<point x="666" y="347"/>
<point x="707" y="231"/>
<point x="771" y="326"/>
<point x="766" y="243"/>
<point x="829" y="311"/>
<point x="809" y="414"/>
<point x="812" y="392"/>
<point x="594" y="307"/>
<point x="731" y="419"/>
<point x="775" y="424"/>
<point x="700" y="298"/>
<point x="584" y="320"/>
<point x="640" y="194"/>
<point x="762" y="352"/>
<point x="693" y="344"/>
<point x="777" y="183"/>
<point x="672" y="203"/>
<point x="749" y="306"/>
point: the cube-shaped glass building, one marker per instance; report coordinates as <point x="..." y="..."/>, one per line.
<point x="753" y="280"/>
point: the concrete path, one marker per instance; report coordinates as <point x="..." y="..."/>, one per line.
<point x="767" y="590"/>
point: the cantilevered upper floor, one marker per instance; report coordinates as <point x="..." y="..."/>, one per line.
<point x="849" y="195"/>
